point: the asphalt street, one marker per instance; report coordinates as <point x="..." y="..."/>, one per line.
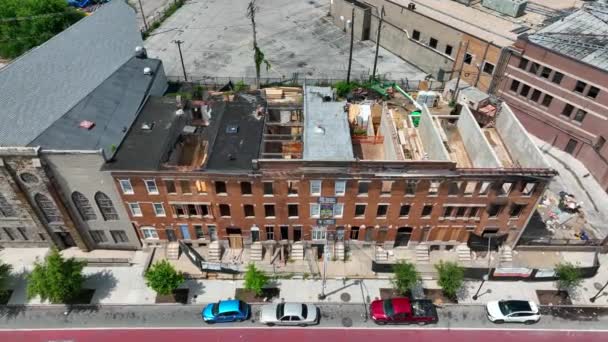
<point x="333" y="316"/>
<point x="297" y="335"/>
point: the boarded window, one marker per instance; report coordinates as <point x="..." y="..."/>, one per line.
<point x="387" y="186"/>
<point x="84" y="206"/>
<point x="106" y="207"/>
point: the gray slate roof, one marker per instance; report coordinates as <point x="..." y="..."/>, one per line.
<point x="113" y="106"/>
<point x="583" y="35"/>
<point x="45" y="83"/>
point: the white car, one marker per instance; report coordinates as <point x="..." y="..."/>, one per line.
<point x="289" y="314"/>
<point x="513" y="311"/>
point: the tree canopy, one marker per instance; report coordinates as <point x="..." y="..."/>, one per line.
<point x="5" y="272"/>
<point x="451" y="277"/>
<point x="406" y="277"/>
<point x="56" y="279"/>
<point x="25" y="24"/>
<point x="163" y="278"/>
<point x="255" y="279"/>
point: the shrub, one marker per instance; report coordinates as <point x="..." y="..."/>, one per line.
<point x="56" y="279"/>
<point x="406" y="277"/>
<point x="343" y="88"/>
<point x="5" y="272"/>
<point x="240" y="86"/>
<point x="569" y="277"/>
<point x="255" y="279"/>
<point x="163" y="278"/>
<point x="451" y="277"/>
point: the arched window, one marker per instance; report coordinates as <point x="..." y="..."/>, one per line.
<point x="48" y="208"/>
<point x="84" y="206"/>
<point x="105" y="206"/>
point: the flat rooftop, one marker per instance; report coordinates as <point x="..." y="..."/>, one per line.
<point x="149" y="139"/>
<point x="239" y="136"/>
<point x="488" y="24"/>
<point x="326" y="128"/>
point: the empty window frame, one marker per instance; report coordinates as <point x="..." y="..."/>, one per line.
<point x="246" y="188"/>
<point x="269" y="232"/>
<point x="468" y="58"/>
<point x="292" y="210"/>
<point x="523" y="63"/>
<point x="410" y="187"/>
<point x="545" y="72"/>
<point x="185" y="185"/>
<point x="580" y="86"/>
<point x="547" y="99"/>
<point x="404" y="211"/>
<point x="433" y="43"/>
<point x="473" y="212"/>
<point x="363" y="188"/>
<point x="249" y="210"/>
<point x="514" y="85"/>
<point x="557" y="77"/>
<point x="525" y="90"/>
<point x="534" y="68"/>
<point x="269" y="210"/>
<point x="434" y="187"/>
<point x="198" y="230"/>
<point x="568" y="109"/>
<point x="484" y="188"/>
<point x="448" y="50"/>
<point x="504" y="189"/>
<point x="268" y="189"/>
<point x="580" y="115"/>
<point x="494" y="210"/>
<point x="220" y="188"/>
<point x="360" y="210"/>
<point x="593" y="92"/>
<point x="292" y="188"/>
<point x="170" y="186"/>
<point x="516" y="210"/>
<point x="427" y="210"/>
<point x="201" y="186"/>
<point x="224" y="210"/>
<point x="528" y="188"/>
<point x="454" y="188"/>
<point x="469" y="188"/>
<point x="535" y="95"/>
<point x="415" y="35"/>
<point x="488" y="68"/>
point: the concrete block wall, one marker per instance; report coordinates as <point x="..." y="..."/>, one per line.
<point x="431" y="139"/>
<point x="480" y="152"/>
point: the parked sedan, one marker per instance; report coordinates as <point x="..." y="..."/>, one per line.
<point x="226" y="311"/>
<point x="289" y="314"/>
<point x="513" y="311"/>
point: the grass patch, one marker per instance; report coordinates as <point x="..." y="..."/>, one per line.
<point x="168" y="12"/>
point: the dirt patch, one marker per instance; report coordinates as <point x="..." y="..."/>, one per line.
<point x="248" y="296"/>
<point x="84" y="297"/>
<point x="5" y="296"/>
<point x="390" y="293"/>
<point x="438" y="297"/>
<point x="551" y="297"/>
<point x="178" y="296"/>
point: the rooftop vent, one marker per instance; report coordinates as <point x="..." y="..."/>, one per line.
<point x="140" y="52"/>
<point x="232" y="129"/>
<point x="86" y="124"/>
<point x="147" y="71"/>
<point x="147" y="126"/>
<point x="319" y="129"/>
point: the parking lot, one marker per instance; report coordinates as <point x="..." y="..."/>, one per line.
<point x="296" y="37"/>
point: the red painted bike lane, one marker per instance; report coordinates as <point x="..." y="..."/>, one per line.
<point x="298" y="335"/>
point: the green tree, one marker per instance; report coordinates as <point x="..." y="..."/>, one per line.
<point x="163" y="278"/>
<point x="5" y="273"/>
<point x="568" y="276"/>
<point x="25" y="24"/>
<point x="406" y="277"/>
<point x="451" y="277"/>
<point x="255" y="279"/>
<point x="56" y="279"/>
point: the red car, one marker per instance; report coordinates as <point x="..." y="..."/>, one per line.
<point x="403" y="311"/>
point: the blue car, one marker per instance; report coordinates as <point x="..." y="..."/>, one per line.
<point x="226" y="311"/>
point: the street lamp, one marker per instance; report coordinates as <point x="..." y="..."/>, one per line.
<point x="486" y="277"/>
<point x="592" y="299"/>
<point x="322" y="295"/>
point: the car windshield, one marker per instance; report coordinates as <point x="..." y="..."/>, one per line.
<point x="280" y="308"/>
<point x="215" y="309"/>
<point x="509" y="307"/>
<point x="304" y="311"/>
<point x="388" y="307"/>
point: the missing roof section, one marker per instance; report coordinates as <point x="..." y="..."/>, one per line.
<point x="283" y="126"/>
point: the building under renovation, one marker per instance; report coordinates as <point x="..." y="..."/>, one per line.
<point x="312" y="173"/>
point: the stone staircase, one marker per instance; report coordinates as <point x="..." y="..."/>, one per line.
<point x="422" y="253"/>
<point x="215" y="251"/>
<point x="463" y="252"/>
<point x="172" y="251"/>
<point x="297" y="251"/>
<point x="257" y="251"/>
<point x="506" y="255"/>
<point x="340" y="251"/>
<point x="381" y="254"/>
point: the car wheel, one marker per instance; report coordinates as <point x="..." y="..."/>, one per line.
<point x="303" y="325"/>
<point x="210" y="322"/>
<point x="421" y="323"/>
<point x="270" y="324"/>
<point x="530" y="322"/>
<point x="499" y="321"/>
<point x="380" y="323"/>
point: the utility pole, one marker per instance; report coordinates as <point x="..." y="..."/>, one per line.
<point x="181" y="57"/>
<point x="485" y="54"/>
<point x="487" y="276"/>
<point x="322" y="296"/>
<point x="466" y="46"/>
<point x="352" y="37"/>
<point x="378" y="42"/>
<point x="251" y="9"/>
<point x="143" y="16"/>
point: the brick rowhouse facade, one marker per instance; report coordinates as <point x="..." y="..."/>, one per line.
<point x="574" y="119"/>
<point x="399" y="227"/>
